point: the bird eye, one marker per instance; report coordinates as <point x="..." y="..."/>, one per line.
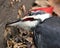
<point x="28" y="19"/>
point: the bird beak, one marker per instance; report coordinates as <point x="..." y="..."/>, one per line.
<point x="15" y="23"/>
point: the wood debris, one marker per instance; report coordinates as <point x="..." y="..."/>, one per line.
<point x="17" y="39"/>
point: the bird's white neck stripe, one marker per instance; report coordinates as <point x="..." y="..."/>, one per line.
<point x="42" y="17"/>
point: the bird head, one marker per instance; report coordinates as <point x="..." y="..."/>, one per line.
<point x="29" y="22"/>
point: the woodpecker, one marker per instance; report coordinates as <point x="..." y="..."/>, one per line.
<point x="29" y="22"/>
<point x="46" y="34"/>
<point x="46" y="29"/>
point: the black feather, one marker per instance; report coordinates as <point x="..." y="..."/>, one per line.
<point x="47" y="34"/>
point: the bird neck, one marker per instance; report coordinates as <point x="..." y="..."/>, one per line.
<point x="33" y="28"/>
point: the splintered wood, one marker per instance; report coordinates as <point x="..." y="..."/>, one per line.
<point x="16" y="38"/>
<point x="21" y="11"/>
<point x="12" y="2"/>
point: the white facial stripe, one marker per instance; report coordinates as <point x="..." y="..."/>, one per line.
<point x="42" y="17"/>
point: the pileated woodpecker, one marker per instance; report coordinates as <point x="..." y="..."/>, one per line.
<point x="46" y="34"/>
<point x="29" y="22"/>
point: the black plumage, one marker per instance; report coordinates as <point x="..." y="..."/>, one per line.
<point x="47" y="34"/>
